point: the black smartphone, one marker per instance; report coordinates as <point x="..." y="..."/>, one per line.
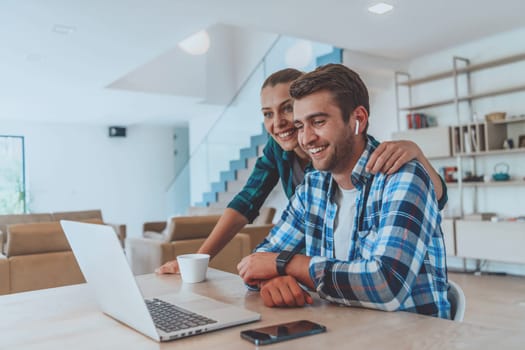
<point x="283" y="331"/>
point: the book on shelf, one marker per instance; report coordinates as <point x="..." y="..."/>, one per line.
<point x="417" y="121"/>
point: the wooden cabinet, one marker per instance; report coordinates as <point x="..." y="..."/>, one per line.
<point x="441" y="145"/>
<point x="498" y="241"/>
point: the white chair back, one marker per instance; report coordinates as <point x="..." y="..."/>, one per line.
<point x="457" y="301"/>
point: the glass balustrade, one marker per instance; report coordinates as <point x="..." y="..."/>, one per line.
<point x="239" y="121"/>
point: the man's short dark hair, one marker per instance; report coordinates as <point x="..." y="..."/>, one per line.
<point x="282" y="76"/>
<point x="345" y="85"/>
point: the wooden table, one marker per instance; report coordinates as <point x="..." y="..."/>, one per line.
<point x="68" y="318"/>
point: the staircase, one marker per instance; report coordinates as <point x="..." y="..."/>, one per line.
<point x="233" y="180"/>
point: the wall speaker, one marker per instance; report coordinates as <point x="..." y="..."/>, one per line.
<point x="117" y="131"/>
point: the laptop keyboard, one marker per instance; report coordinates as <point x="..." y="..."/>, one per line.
<point x="169" y="317"/>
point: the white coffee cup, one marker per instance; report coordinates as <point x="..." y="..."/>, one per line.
<point x="193" y="267"/>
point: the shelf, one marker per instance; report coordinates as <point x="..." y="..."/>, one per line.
<point x="488" y="184"/>
<point x="492" y="153"/>
<point x="510" y="90"/>
<point x="492" y="93"/>
<point x="471" y="68"/>
<point x="509" y="121"/>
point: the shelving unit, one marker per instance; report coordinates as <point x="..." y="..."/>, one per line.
<point x="466" y="141"/>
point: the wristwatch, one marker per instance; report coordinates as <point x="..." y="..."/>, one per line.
<point x="282" y="260"/>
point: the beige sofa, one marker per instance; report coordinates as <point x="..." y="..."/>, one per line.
<point x="37" y="256"/>
<point x="266" y="214"/>
<point x="5" y="283"/>
<point x="185" y="234"/>
<point x="83" y="215"/>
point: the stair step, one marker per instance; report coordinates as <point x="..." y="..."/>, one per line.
<point x="250" y="164"/>
<point x="218" y="186"/>
<point x="209" y="197"/>
<point x="227" y="175"/>
<point x="218" y="205"/>
<point x="238" y="164"/>
<point x="235" y="186"/>
<point x="243" y="174"/>
<point x="259" y="139"/>
<point x="225" y="196"/>
<point x="249" y="152"/>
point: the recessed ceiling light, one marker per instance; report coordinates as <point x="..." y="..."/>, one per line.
<point x="380" y="8"/>
<point x="63" y="29"/>
<point x="196" y="44"/>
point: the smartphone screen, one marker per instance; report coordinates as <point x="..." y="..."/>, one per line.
<point x="280" y="332"/>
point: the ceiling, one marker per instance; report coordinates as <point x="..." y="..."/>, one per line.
<point x="76" y="77"/>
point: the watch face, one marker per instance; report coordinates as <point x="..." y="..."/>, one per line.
<point x="284" y="256"/>
<point x="282" y="260"/>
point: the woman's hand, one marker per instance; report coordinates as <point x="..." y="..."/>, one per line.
<point x="168" y="268"/>
<point x="392" y="155"/>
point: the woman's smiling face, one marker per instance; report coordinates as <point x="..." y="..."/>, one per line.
<point x="277" y="109"/>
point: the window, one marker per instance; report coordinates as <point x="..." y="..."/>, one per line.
<point x="12" y="175"/>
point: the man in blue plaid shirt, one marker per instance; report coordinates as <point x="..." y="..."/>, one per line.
<point x="357" y="239"/>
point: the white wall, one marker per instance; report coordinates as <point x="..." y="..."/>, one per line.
<point x="77" y="167"/>
<point x="378" y="75"/>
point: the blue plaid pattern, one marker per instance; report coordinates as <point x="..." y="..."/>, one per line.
<point x="396" y="259"/>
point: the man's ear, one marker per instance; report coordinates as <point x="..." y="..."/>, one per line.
<point x="361" y="116"/>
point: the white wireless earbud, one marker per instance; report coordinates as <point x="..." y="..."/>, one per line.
<point x="357" y="127"/>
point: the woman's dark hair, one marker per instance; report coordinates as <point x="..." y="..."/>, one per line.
<point x="286" y="75"/>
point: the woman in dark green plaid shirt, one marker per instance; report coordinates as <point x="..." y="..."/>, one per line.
<point x="283" y="159"/>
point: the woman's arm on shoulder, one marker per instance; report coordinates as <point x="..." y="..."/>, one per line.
<point x="391" y="155"/>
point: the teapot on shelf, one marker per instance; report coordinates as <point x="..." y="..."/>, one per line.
<point x="501" y="172"/>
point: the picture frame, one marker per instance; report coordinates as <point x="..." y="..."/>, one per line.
<point x="521" y="143"/>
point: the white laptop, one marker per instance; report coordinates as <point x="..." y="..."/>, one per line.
<point x="107" y="272"/>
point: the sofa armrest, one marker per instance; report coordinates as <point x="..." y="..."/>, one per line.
<point x="5" y="278"/>
<point x="2" y="240"/>
<point x="145" y="255"/>
<point x="257" y="233"/>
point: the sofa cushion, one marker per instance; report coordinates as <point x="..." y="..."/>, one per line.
<point x="190" y="227"/>
<point x="6" y="220"/>
<point x="266" y="214"/>
<point x="257" y="233"/>
<point x="38" y="271"/>
<point x="78" y="215"/>
<point x="4" y="275"/>
<point x="44" y="237"/>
